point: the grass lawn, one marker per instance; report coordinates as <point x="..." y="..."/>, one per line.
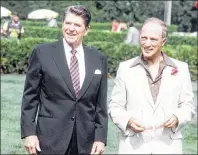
<point x="11" y="143"/>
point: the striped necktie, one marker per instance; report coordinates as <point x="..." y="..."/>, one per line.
<point x="74" y="72"/>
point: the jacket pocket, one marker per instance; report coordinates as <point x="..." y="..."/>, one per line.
<point x="45" y="116"/>
<point x="127" y="133"/>
<point x="176" y="135"/>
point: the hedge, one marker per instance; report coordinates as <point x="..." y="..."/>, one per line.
<point x="122" y="52"/>
<point x="36" y="32"/>
<point x="93" y="25"/>
<point x="14" y="56"/>
<point x="95" y="35"/>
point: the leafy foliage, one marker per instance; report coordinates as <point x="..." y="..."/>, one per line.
<point x="15" y="56"/>
<point x="105" y="11"/>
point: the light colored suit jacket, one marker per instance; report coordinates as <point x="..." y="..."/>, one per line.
<point x="131" y="97"/>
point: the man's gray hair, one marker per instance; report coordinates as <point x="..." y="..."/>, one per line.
<point x="160" y="22"/>
<point x="78" y="10"/>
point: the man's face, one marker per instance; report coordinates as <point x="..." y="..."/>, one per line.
<point x="15" y="18"/>
<point x="151" y="40"/>
<point x="74" y="29"/>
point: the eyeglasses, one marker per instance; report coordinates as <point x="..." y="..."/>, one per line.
<point x="153" y="124"/>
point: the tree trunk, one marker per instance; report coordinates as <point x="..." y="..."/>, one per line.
<point x="167" y="12"/>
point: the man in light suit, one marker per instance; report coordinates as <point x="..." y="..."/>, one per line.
<point x="66" y="85"/>
<point x="152" y="98"/>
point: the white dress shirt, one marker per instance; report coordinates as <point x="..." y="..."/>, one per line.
<point x="80" y="57"/>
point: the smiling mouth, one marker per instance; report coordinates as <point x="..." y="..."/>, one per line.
<point x="71" y="35"/>
<point x="147" y="50"/>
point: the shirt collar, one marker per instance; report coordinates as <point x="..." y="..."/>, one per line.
<point x="68" y="48"/>
<point x="136" y="62"/>
<point x="166" y="60"/>
<point x="13" y="23"/>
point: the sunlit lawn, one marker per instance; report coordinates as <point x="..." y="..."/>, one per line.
<point x="11" y="143"/>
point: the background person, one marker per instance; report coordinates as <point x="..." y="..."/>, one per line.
<point x="115" y="25"/>
<point x="13" y="29"/>
<point x="122" y="26"/>
<point x="133" y="35"/>
<point x="52" y="22"/>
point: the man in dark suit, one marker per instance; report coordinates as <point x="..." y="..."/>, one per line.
<point x="66" y="85"/>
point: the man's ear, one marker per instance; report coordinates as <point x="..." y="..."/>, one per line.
<point x="87" y="30"/>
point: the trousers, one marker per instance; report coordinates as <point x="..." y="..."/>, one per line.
<point x="73" y="146"/>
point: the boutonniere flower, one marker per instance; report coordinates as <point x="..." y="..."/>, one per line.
<point x="174" y="71"/>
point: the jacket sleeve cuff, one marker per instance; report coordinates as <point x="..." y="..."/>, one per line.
<point x="179" y="125"/>
<point x="127" y="131"/>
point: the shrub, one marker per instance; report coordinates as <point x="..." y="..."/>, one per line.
<point x="14" y="56"/>
<point x="93" y="25"/>
<point x="96" y="35"/>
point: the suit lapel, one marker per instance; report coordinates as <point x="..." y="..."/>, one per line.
<point x="145" y="86"/>
<point x="89" y="70"/>
<point x="164" y="83"/>
<point x="61" y="62"/>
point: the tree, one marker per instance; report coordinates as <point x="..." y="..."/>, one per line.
<point x="167" y="12"/>
<point x="182" y="15"/>
<point x="106" y="11"/>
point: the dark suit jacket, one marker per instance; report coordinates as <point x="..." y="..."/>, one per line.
<point x="49" y="90"/>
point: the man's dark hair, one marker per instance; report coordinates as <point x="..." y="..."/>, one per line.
<point x="78" y="10"/>
<point x="116" y="20"/>
<point x="15" y="14"/>
<point x="130" y="23"/>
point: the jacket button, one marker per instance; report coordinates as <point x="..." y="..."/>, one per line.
<point x="73" y="118"/>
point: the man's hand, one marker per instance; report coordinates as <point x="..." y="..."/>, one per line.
<point x="97" y="148"/>
<point x="32" y="144"/>
<point x="171" y="122"/>
<point x="135" y="125"/>
<point x="4" y="32"/>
